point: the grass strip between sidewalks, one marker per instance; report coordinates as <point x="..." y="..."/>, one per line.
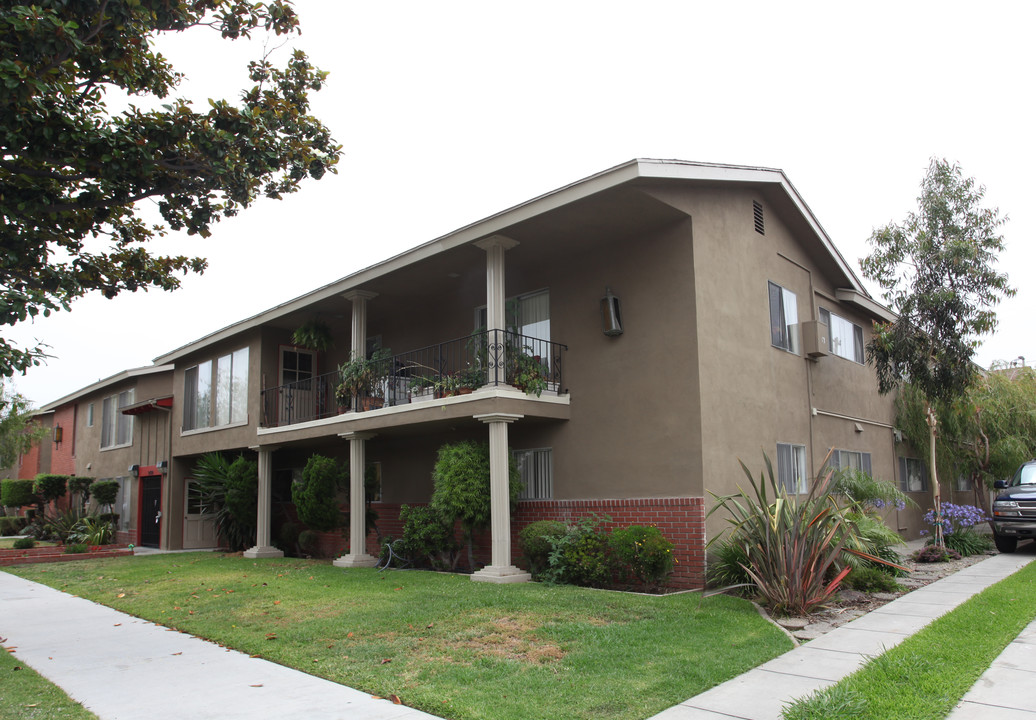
<point x="454" y="648"/>
<point x="926" y="675"/>
<point x="27" y="695"/>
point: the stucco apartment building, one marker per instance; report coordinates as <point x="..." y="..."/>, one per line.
<point x="682" y="315"/>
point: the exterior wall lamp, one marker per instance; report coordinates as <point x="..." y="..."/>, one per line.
<point x="59" y="433"/>
<point x="611" y="314"/>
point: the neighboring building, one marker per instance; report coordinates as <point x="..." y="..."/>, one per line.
<point x="679" y="316"/>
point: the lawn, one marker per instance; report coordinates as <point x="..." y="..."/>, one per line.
<point x="927" y="674"/>
<point x="25" y="695"/>
<point x="8" y="543"/>
<point x="440" y="642"/>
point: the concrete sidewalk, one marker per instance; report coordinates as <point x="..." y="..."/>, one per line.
<point x="761" y="693"/>
<point x="123" y="668"/>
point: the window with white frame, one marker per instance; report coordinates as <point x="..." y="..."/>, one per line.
<point x="851" y="459"/>
<point x="791" y="467"/>
<point x="116" y="428"/>
<point x="216" y="392"/>
<point x="913" y="475"/>
<point x="846" y="337"/>
<point x="784" y="318"/>
<point x="536" y="469"/>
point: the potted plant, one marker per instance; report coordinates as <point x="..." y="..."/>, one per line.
<point x="315" y="335"/>
<point x="529" y="374"/>
<point x="421" y="388"/>
<point x="359" y="377"/>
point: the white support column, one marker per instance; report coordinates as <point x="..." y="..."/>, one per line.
<point x="357" y="556"/>
<point x="500" y="570"/>
<point x="496" y="298"/>
<point x="263" y="548"/>
<point x="358" y="347"/>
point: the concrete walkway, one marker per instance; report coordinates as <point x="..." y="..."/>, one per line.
<point x="1006" y="692"/>
<point x="124" y="668"/>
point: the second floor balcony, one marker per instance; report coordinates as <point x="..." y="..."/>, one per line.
<point x="455" y="367"/>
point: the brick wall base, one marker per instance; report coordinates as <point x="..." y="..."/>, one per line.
<point x="57" y="554"/>
<point x="681" y="520"/>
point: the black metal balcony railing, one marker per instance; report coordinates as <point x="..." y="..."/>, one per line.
<point x="456" y="367"/>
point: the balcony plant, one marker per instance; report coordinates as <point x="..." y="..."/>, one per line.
<point x="529" y="374"/>
<point x="315" y="335"/>
<point x="360" y="376"/>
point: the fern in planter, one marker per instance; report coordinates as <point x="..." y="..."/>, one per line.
<point x="315" y="335"/>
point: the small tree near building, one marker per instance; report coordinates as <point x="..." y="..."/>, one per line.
<point x="938" y="272"/>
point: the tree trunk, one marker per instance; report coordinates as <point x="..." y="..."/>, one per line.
<point x="936" y="490"/>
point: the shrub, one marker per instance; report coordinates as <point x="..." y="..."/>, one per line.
<point x="288" y="538"/>
<point x="308" y="542"/>
<point x="934" y="553"/>
<point x="17" y="493"/>
<point x="79" y="486"/>
<point x="24" y="543"/>
<point x="642" y="555"/>
<point x="315" y="494"/>
<point x="428" y="538"/>
<point x="537" y="541"/>
<point x="112" y="518"/>
<point x="92" y="531"/>
<point x="12" y="525"/>
<point x="871" y="579"/>
<point x="49" y="488"/>
<point x="61" y="525"/>
<point x="105" y="492"/>
<point x="726" y="568"/>
<point x="75" y="548"/>
<point x="968" y="542"/>
<point x="580" y="556"/>
<point x="462" y="492"/>
<point x="224" y="488"/>
<point x="793" y="542"/>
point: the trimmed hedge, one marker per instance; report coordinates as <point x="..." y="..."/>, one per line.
<point x="12" y="525"/>
<point x="16" y="493"/>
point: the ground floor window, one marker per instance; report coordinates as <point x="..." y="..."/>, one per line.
<point x="850" y="459"/>
<point x="791" y="468"/>
<point x="536" y="468"/>
<point x="913" y="475"/>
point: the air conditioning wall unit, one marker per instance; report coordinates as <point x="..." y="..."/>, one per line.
<point x="815" y="339"/>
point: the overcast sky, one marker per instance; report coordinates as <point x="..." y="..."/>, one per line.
<point x="448" y="112"/>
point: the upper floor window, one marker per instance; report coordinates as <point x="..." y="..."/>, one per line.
<point x="528" y="315"/>
<point x="846" y="337"/>
<point x="784" y="319"/>
<point x="90" y="415"/>
<point x="216" y="392"/>
<point x="116" y="428"/>
<point x="791" y="467"/>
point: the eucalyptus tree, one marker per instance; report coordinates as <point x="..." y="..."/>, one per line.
<point x="938" y="272"/>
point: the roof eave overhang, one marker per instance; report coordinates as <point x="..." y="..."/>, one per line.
<point x="112" y="380"/>
<point x="865" y="303"/>
<point x="633" y="170"/>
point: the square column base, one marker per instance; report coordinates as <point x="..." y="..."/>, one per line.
<point x="354" y="561"/>
<point x="500" y="575"/>
<point x="266" y="551"/>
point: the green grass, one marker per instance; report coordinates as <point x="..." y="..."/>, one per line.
<point x="25" y="695"/>
<point x="925" y="676"/>
<point x="8" y="543"/>
<point x="442" y="643"/>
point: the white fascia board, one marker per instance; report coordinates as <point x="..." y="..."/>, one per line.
<point x="866" y="303"/>
<point x="112" y="380"/>
<point x="599" y="182"/>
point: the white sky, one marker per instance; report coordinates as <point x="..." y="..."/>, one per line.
<point x="451" y="111"/>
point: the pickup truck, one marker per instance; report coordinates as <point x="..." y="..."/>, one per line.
<point x="1014" y="510"/>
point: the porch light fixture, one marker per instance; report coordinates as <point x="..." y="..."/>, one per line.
<point x="134" y="469"/>
<point x="59" y="433"/>
<point x="611" y="315"/>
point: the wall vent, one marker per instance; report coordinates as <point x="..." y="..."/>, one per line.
<point x="757" y="210"/>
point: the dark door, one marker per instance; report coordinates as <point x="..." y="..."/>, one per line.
<point x="150" y="511"/>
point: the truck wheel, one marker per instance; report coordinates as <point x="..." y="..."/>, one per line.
<point x="1005" y="544"/>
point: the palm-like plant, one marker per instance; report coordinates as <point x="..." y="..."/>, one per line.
<point x="792" y="543"/>
<point x="228" y="489"/>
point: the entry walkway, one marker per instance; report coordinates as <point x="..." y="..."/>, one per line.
<point x="761" y="693"/>
<point x="124" y="668"/>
